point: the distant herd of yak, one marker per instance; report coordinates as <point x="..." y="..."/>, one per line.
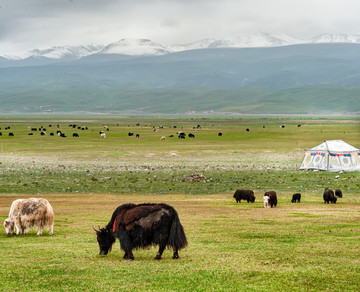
<point x="43" y="131"/>
<point x="270" y="198"/>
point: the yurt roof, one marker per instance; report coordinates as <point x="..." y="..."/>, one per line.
<point x="334" y="146"/>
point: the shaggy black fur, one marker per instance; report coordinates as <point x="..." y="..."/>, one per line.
<point x="247" y="195"/>
<point x="329" y="196"/>
<point x="338" y="193"/>
<point x="138" y="226"/>
<point x="296" y="198"/>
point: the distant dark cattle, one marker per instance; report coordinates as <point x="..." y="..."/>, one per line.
<point x="34" y="129"/>
<point x="181" y="135"/>
<point x="42" y="133"/>
<point x="0" y="134"/>
<point x="191" y="135"/>
<point x="138" y="124"/>
<point x="130" y="134"/>
<point x="247" y="130"/>
<point x="174" y="127"/>
<point x="139" y="226"/>
<point x="198" y="127"/>
<point x="75" y="135"/>
<point x="171" y="136"/>
<point x="11" y="134"/>
<point x="296" y="198"/>
<point x="79" y="128"/>
<point x="50" y="126"/>
<point x="263" y="127"/>
<point x="272" y="198"/>
<point x="329" y="196"/>
<point x="299" y="125"/>
<point x="338" y="193"/>
<point x="137" y="136"/>
<point x="51" y="134"/>
<point x="30" y="134"/>
<point x="282" y="126"/>
<point x="7" y="128"/>
<point x="63" y="135"/>
<point x="44" y="129"/>
<point x="247" y="195"/>
<point x="220" y="134"/>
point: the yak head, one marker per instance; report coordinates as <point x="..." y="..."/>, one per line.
<point x="9" y="226"/>
<point x="105" y="239"/>
<point x="252" y="198"/>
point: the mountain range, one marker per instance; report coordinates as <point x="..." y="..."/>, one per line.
<point x="144" y="47"/>
<point x="274" y="75"/>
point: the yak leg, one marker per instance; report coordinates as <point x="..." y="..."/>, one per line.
<point x="160" y="252"/>
<point x="40" y="231"/>
<point x="125" y="245"/>
<point x="176" y="254"/>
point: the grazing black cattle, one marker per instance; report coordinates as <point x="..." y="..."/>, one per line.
<point x="198" y="127"/>
<point x="273" y="198"/>
<point x="171" y="136"/>
<point x="263" y="127"/>
<point x="0" y="134"/>
<point x="191" y="135"/>
<point x="299" y="125"/>
<point x="42" y="133"/>
<point x="329" y="196"/>
<point x="7" y="128"/>
<point x="51" y="134"/>
<point x="247" y="195"/>
<point x="34" y="129"/>
<point x="282" y="126"/>
<point x="130" y="134"/>
<point x="11" y="134"/>
<point x="139" y="226"/>
<point x="181" y="135"/>
<point x="137" y="136"/>
<point x="247" y="130"/>
<point x="75" y="135"/>
<point x="30" y="134"/>
<point x="220" y="134"/>
<point x="63" y="135"/>
<point x="338" y="193"/>
<point x="296" y="198"/>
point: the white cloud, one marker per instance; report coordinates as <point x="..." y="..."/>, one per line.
<point x="28" y="24"/>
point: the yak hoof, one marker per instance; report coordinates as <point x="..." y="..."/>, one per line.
<point x="175" y="257"/>
<point x="157" y="258"/>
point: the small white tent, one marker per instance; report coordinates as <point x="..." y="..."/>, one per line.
<point x="332" y="155"/>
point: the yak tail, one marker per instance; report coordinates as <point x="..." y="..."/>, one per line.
<point x="177" y="238"/>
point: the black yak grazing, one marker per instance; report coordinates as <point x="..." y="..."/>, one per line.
<point x="338" y="193"/>
<point x="296" y="198"/>
<point x="273" y="198"/>
<point x="138" y="226"/>
<point x="247" y="195"/>
<point x="329" y="196"/>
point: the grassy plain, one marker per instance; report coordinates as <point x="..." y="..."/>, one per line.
<point x="234" y="247"/>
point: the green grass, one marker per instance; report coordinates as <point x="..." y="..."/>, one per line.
<point x="309" y="246"/>
<point x="237" y="247"/>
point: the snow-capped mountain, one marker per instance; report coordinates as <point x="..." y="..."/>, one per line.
<point x="336" y="38"/>
<point x="135" y="47"/>
<point x="145" y="47"/>
<point x="66" y="52"/>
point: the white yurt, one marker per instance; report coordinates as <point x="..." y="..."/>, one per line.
<point x="332" y="155"/>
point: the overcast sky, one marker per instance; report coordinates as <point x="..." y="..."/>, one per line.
<point x="30" y="24"/>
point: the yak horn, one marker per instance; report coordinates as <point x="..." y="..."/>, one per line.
<point x="95" y="229"/>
